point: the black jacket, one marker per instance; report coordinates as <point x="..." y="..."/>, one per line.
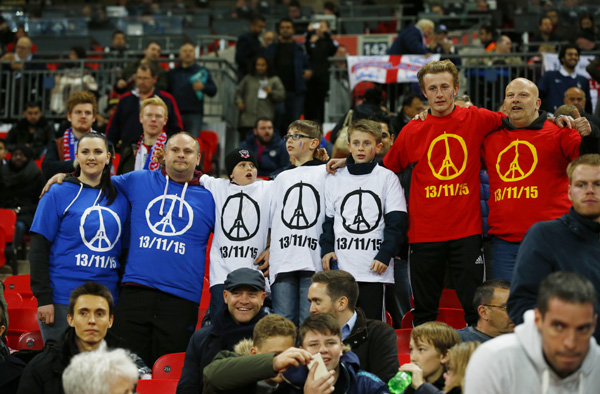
<point x="569" y="243"/>
<point x="43" y="374"/>
<point x="19" y="135"/>
<point x="374" y="342"/>
<point x="206" y="343"/>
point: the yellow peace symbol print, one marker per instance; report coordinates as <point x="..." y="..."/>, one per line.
<point x="448" y="169"/>
<point x="515" y="172"/>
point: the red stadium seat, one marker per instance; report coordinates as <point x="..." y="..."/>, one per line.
<point x="20" y="284"/>
<point x="404" y="358"/>
<point x="156" y="386"/>
<point x="30" y="341"/>
<point x="403" y="340"/>
<point x="168" y="366"/>
<point x="388" y="319"/>
<point x="210" y="145"/>
<point x="205" y="299"/>
<point x="13" y="299"/>
<point x="449" y="299"/>
<point x="201" y="314"/>
<point x="22" y="320"/>
<point x="454" y="317"/>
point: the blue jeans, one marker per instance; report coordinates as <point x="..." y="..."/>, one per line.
<point x="60" y="323"/>
<point x="504" y="255"/>
<point x="192" y="123"/>
<point x="290" y="295"/>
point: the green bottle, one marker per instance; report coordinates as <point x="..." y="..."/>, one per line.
<point x="400" y="382"/>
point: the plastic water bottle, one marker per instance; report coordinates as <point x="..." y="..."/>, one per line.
<point x="400" y="382"/>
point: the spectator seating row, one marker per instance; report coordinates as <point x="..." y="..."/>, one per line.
<point x="23" y="330"/>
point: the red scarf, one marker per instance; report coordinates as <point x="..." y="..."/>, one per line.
<point x="150" y="162"/>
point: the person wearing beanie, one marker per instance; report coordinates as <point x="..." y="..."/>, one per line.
<point x="241" y="221"/>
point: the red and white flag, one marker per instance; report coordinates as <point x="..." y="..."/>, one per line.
<point x="386" y="69"/>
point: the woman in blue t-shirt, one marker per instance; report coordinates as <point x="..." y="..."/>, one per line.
<point x="76" y="235"/>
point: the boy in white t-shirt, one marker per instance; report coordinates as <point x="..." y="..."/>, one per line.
<point x="365" y="221"/>
<point x="297" y="213"/>
<point x="241" y="220"/>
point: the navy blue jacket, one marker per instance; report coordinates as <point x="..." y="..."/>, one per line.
<point x="274" y="157"/>
<point x="124" y="125"/>
<point x="408" y="42"/>
<point x="553" y="85"/>
<point x="301" y="63"/>
<point x="569" y="243"/>
<point x="182" y="89"/>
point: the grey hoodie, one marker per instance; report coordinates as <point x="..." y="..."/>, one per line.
<point x="514" y="363"/>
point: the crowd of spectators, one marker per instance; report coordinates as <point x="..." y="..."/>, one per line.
<point x="424" y="222"/>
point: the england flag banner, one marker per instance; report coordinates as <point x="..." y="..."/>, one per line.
<point x="386" y="69"/>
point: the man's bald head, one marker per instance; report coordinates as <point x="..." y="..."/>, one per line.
<point x="521" y="102"/>
<point x="575" y="96"/>
<point x="23" y="48"/>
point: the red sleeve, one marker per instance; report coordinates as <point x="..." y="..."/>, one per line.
<point x="393" y="160"/>
<point x="570" y="140"/>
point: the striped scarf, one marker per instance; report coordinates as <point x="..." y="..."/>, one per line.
<point x="145" y="160"/>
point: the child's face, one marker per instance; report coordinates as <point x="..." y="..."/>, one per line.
<point x="363" y="146"/>
<point x="244" y="173"/>
<point x="300" y="146"/>
<point x="330" y="346"/>
<point x="426" y="356"/>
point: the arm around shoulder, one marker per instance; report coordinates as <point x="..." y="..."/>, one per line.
<point x="229" y="370"/>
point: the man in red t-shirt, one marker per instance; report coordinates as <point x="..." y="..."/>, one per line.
<point x="444" y="207"/>
<point x="526" y="162"/>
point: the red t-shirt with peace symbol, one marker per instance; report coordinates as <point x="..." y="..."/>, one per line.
<point x="528" y="178"/>
<point x="444" y="192"/>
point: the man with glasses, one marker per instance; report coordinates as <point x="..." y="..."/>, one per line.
<point x="124" y="126"/>
<point x="490" y="303"/>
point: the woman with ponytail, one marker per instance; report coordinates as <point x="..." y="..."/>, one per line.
<point x="76" y="235"/>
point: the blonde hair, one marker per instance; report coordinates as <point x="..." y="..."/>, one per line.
<point x="423" y="23"/>
<point x="155" y="100"/>
<point x="458" y="359"/>
<point x="367" y="126"/>
<point x="438" y="67"/>
<point x="440" y="335"/>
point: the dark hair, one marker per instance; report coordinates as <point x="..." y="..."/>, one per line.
<point x="568" y="287"/>
<point x="381" y="117"/>
<point x="294" y="3"/>
<point x="27" y="151"/>
<point x="108" y="189"/>
<point x="91" y="288"/>
<point x="79" y="51"/>
<point x="374" y="96"/>
<point x="408" y="99"/>
<point x="262" y="119"/>
<point x="563" y="51"/>
<point x="329" y="5"/>
<point x="339" y="284"/>
<point x="33" y="104"/>
<point x="77" y="98"/>
<point x="257" y="18"/>
<point x="148" y="66"/>
<point x="270" y="70"/>
<point x="485" y="292"/>
<point x="323" y="323"/>
<point x="284" y="20"/>
<point x="118" y="32"/>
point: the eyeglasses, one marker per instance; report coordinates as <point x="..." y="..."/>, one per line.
<point x="496" y="306"/>
<point x="295" y="137"/>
